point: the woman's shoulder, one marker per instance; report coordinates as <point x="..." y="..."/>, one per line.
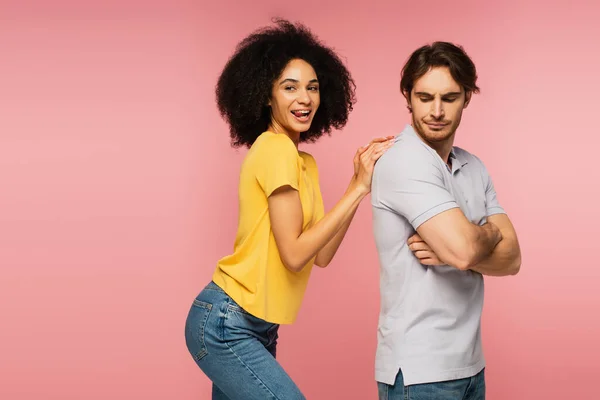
<point x="271" y="148"/>
<point x="308" y="159"/>
<point x="269" y="141"/>
<point x="310" y="164"/>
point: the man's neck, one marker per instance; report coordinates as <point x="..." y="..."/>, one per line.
<point x="443" y="148"/>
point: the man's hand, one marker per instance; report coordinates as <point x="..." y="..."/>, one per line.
<point x="422" y="251"/>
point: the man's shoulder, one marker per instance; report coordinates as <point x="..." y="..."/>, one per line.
<point x="406" y="151"/>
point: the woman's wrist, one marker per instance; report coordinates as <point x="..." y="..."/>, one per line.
<point x="356" y="188"/>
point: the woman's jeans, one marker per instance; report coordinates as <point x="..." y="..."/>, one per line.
<point x="236" y="350"/>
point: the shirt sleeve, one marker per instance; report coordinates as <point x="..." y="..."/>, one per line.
<point x="492" y="205"/>
<point x="408" y="180"/>
<point x="277" y="164"/>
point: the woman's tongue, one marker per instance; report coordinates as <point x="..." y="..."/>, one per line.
<point x="301" y="116"/>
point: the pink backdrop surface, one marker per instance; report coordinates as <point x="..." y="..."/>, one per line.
<point x="118" y="190"/>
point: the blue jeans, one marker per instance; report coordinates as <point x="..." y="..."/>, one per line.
<point x="472" y="388"/>
<point x="236" y="350"/>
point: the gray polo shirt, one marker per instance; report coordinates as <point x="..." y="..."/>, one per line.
<point x="429" y="322"/>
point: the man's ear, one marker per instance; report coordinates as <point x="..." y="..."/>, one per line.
<point x="467" y="99"/>
<point x="407" y="97"/>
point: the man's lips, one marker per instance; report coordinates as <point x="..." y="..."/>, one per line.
<point x="436" y="125"/>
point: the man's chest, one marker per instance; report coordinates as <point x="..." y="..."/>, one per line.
<point x="468" y="188"/>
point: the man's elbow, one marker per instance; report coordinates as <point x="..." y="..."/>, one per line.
<point x="515" y="266"/>
<point x="465" y="257"/>
<point x="464" y="264"/>
<point x="512" y="265"/>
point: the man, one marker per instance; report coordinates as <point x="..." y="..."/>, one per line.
<point x="429" y="340"/>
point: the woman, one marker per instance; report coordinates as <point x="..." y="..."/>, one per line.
<point x="282" y="87"/>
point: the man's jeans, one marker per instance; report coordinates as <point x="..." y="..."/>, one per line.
<point x="236" y="350"/>
<point x="472" y="388"/>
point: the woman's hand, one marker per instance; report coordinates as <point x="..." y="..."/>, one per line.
<point x="365" y="159"/>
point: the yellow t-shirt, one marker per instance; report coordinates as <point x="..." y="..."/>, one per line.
<point x="254" y="275"/>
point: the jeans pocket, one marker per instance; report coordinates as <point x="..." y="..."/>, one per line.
<point x="195" y="329"/>
<point x="235" y="307"/>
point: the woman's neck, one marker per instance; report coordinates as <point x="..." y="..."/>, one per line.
<point x="294" y="136"/>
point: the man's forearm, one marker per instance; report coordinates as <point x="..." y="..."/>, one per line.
<point x="484" y="240"/>
<point x="504" y="260"/>
<point x="458" y="242"/>
<point x="480" y="243"/>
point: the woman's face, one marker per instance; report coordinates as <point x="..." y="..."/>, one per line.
<point x="294" y="99"/>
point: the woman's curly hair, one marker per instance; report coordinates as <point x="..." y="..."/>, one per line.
<point x="245" y="85"/>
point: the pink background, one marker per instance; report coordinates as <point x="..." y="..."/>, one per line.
<point x="118" y="190"/>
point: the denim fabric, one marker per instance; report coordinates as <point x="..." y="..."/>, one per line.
<point x="472" y="388"/>
<point x="236" y="350"/>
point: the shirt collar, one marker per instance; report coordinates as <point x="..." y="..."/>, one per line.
<point x="458" y="161"/>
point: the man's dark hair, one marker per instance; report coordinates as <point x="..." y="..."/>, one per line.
<point x="439" y="54"/>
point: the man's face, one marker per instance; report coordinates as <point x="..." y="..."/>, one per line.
<point x="437" y="103"/>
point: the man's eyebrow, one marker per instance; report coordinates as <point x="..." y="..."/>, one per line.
<point x="443" y="95"/>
